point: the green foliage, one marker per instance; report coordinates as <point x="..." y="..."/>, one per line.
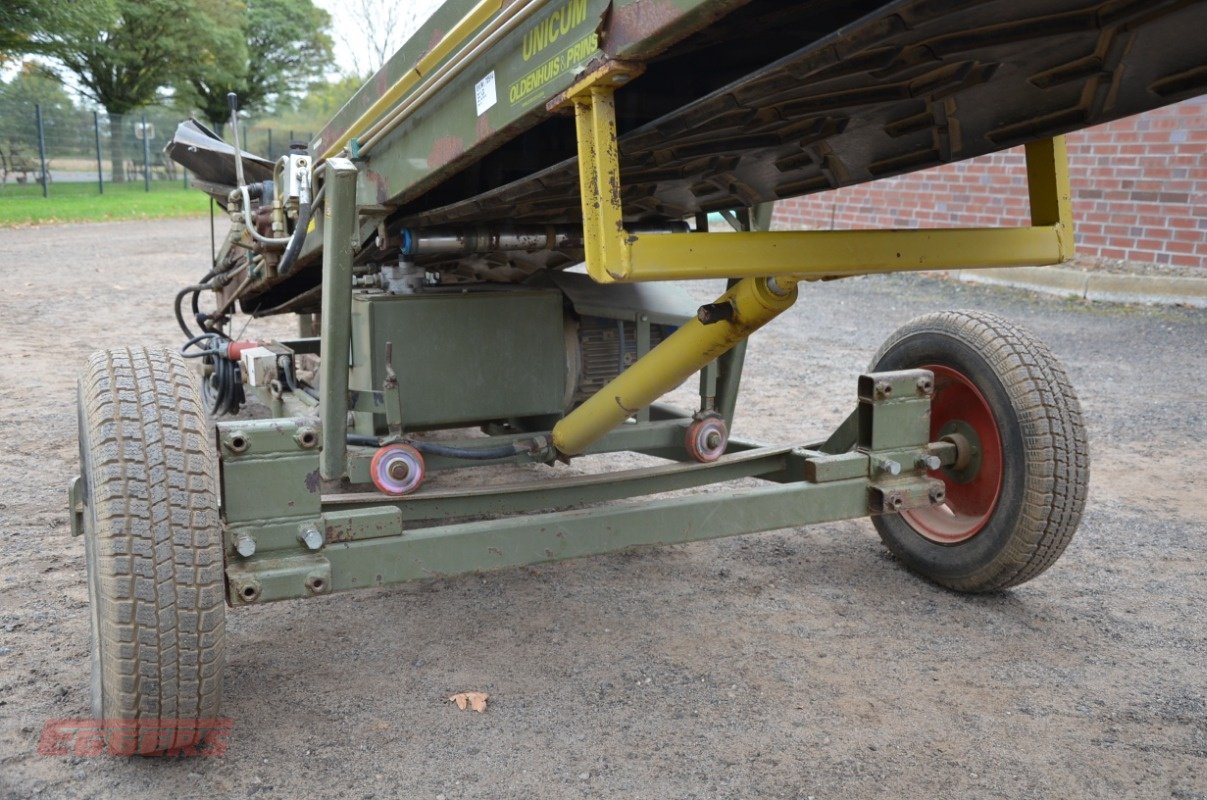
<point x="25" y="24"/>
<point x="316" y="108"/>
<point x="284" y="46"/>
<point x="324" y="99"/>
<point x="122" y="59"/>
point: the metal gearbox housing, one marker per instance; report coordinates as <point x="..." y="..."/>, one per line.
<point x="462" y="357"/>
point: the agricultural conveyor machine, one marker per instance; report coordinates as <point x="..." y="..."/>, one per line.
<point x="430" y="240"/>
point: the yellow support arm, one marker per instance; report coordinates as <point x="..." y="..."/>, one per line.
<point x="614" y="255"/>
<point x="786" y="256"/>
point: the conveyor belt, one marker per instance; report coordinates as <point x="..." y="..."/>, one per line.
<point x="916" y="84"/>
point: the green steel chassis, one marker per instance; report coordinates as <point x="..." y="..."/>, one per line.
<point x="272" y="493"/>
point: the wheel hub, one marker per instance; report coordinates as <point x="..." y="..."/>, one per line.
<point x="960" y="414"/>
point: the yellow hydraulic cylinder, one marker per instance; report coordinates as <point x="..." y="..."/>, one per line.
<point x="748" y="306"/>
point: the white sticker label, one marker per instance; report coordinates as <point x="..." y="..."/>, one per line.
<point x="484" y="93"/>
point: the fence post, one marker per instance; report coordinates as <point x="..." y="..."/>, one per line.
<point x="146" y="154"/>
<point x="42" y="149"/>
<point x="96" y="129"/>
<point x="270" y="158"/>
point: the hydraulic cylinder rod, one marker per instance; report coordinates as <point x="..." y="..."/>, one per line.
<point x="418" y="243"/>
<point x="745" y="308"/>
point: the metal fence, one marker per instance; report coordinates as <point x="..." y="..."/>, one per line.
<point x="45" y="146"/>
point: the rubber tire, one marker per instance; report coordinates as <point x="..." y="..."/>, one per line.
<point x="1045" y="471"/>
<point x="153" y="548"/>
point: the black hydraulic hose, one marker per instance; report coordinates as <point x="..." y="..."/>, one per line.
<point x="435" y="449"/>
<point x="295" y="242"/>
<point x="471" y="453"/>
<point x="223" y="388"/>
<point x="196" y="289"/>
<point x="184" y="349"/>
<point x="299" y="233"/>
<point x="227" y="385"/>
<point x="291" y="380"/>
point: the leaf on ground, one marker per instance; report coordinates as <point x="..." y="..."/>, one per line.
<point x="474" y="701"/>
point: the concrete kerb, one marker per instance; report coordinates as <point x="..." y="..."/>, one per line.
<point x="1110" y="287"/>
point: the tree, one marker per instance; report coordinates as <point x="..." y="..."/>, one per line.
<point x="381" y="27"/>
<point x="123" y="58"/>
<point x="327" y="97"/>
<point x="285" y="46"/>
<point x="24" y="24"/>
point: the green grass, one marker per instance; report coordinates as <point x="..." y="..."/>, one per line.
<point x="80" y="202"/>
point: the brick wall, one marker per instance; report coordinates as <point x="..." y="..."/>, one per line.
<point x="1139" y="192"/>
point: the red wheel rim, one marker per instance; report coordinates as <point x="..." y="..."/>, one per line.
<point x="968" y="503"/>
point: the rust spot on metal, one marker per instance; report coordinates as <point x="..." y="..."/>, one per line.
<point x="482" y="129"/>
<point x="634" y="22"/>
<point x="437" y="36"/>
<point x="339" y="533"/>
<point x="314" y="481"/>
<point x="381" y="186"/>
<point x="444" y="150"/>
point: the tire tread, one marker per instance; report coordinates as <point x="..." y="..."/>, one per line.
<point x="152" y="486"/>
<point x="1056" y="452"/>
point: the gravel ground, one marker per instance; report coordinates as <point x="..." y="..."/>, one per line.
<point x="795" y="664"/>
